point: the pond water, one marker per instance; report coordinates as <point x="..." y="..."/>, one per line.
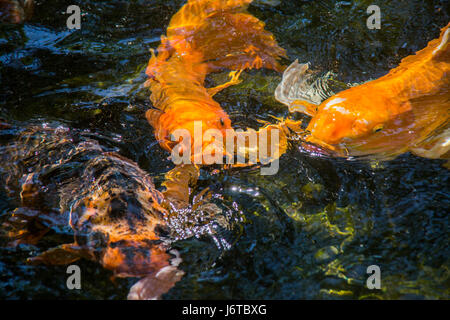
<point x="311" y="230"/>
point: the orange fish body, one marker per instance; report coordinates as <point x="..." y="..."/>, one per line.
<point x="203" y="36"/>
<point x="389" y="115"/>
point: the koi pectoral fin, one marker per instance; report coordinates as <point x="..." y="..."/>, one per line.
<point x="177" y="183"/>
<point x="152" y="116"/>
<point x="304" y="107"/>
<point x="435" y="147"/>
<point x="320" y="143"/>
<point x="155" y="285"/>
<point x="301" y="90"/>
<point x="234" y="75"/>
<point x="25" y="225"/>
<point x="61" y="255"/>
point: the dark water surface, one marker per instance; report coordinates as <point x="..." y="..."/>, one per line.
<point x="309" y="231"/>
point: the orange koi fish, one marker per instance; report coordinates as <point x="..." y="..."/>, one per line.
<point x="204" y="36"/>
<point x="405" y="110"/>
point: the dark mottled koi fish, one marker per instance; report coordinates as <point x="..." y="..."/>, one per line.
<point x="65" y="179"/>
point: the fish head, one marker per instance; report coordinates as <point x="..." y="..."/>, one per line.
<point x="341" y="120"/>
<point x="190" y="128"/>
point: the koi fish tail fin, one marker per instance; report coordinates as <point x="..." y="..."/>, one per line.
<point x="239" y="41"/>
<point x="225" y="35"/>
<point x="194" y="13"/>
<point x="152" y="116"/>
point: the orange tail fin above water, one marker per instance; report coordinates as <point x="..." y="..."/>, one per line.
<point x="237" y="40"/>
<point x="220" y="34"/>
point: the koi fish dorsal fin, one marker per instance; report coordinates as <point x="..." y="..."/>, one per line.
<point x="225" y="35"/>
<point x="436" y="50"/>
<point x="442" y="51"/>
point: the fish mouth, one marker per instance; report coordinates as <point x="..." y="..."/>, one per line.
<point x="319" y="148"/>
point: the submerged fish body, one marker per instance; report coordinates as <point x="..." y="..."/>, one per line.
<point x="65" y="180"/>
<point x="387" y="116"/>
<point x="204" y="36"/>
<point x="16" y="11"/>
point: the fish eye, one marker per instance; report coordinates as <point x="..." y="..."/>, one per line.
<point x="222" y="122"/>
<point x="378" y="128"/>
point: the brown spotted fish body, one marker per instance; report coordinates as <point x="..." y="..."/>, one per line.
<point x="64" y="178"/>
